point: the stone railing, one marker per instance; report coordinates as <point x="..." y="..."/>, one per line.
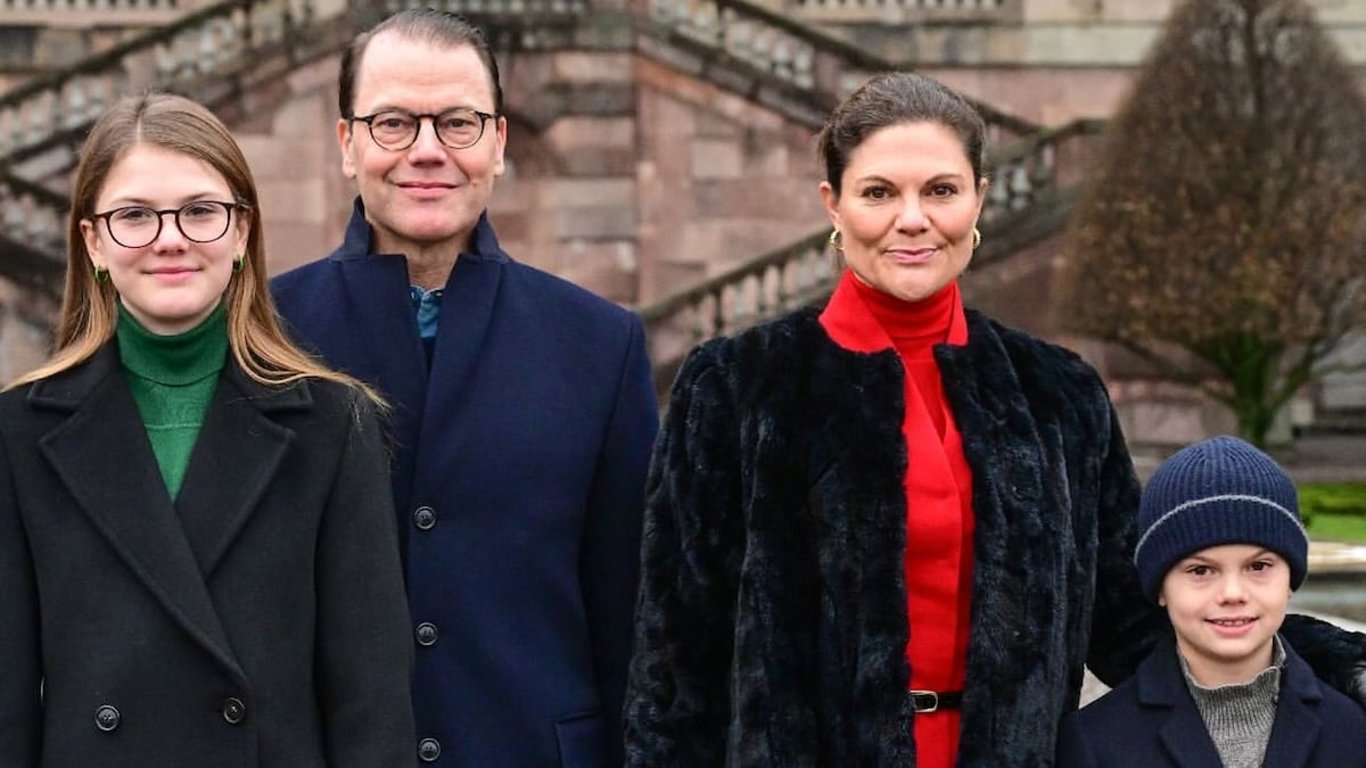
<point x="55" y="110"/>
<point x="901" y="11"/>
<point x="510" y="24"/>
<point x="1033" y="185"/>
<point x="508" y="9"/>
<point x="107" y="13"/>
<point x="87" y="6"/>
<point x="1037" y="166"/>
<point x="32" y="232"/>
<point x="818" y="69"/>
<point x="767" y="287"/>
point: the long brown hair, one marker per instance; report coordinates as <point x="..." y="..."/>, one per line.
<point x="89" y="315"/>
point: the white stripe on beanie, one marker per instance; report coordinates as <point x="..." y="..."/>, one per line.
<point x="1210" y="500"/>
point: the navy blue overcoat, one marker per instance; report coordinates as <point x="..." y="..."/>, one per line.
<point x="519" y="467"/>
<point x="1151" y="721"/>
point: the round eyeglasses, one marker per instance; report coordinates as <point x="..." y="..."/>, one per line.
<point x="397" y="129"/>
<point x="137" y="226"/>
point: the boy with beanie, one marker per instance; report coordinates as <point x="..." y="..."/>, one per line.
<point x="1220" y="547"/>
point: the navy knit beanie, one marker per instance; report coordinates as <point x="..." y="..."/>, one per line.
<point x="1219" y="491"/>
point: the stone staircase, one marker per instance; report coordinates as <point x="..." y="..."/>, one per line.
<point x="227" y="55"/>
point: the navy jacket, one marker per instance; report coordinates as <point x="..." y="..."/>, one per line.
<point x="519" y="470"/>
<point x="1151" y="720"/>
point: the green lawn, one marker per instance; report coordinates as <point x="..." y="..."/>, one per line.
<point x="1329" y="527"/>
<point x="1336" y="511"/>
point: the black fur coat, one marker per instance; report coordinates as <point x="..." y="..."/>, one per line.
<point x="771" y="627"/>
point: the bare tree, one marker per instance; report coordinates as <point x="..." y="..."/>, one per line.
<point x="1226" y="224"/>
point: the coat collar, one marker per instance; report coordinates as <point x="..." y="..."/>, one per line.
<point x="1297" y="725"/>
<point x="101" y="453"/>
<point x="1160" y="683"/>
<point x="379" y="308"/>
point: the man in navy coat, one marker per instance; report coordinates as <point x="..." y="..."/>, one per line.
<point x="522" y="413"/>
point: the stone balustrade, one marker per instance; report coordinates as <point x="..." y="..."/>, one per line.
<point x="82" y="13"/>
<point x="794" y="53"/>
<point x="32" y="214"/>
<point x="33" y="223"/>
<point x="901" y="11"/>
<point x="520" y="24"/>
<point x="767" y="287"/>
<point x="1036" y="165"/>
<point x="89" y="6"/>
<point x="487" y="8"/>
<point x="746" y="36"/>
<point x="59" y="107"/>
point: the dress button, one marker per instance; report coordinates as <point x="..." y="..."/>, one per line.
<point x="426" y="634"/>
<point x="106" y="718"/>
<point x="429" y="750"/>
<point x="234" y="711"/>
<point x="424" y="517"/>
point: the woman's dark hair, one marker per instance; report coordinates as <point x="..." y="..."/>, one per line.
<point x="427" y="25"/>
<point x="890" y="99"/>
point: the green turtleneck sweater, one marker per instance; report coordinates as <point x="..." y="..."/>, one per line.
<point x="172" y="379"/>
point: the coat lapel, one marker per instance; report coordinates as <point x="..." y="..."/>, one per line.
<point x="102" y="455"/>
<point x="466" y="313"/>
<point x="1161" y="683"/>
<point x="1297" y="726"/>
<point x="236" y="456"/>
<point x="379" y="314"/>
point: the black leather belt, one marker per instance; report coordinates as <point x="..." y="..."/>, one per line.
<point x="932" y="701"/>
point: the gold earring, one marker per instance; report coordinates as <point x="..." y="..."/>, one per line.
<point x="976" y="238"/>
<point x="836" y="242"/>
<point x="239" y="262"/>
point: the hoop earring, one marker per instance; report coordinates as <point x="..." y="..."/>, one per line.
<point x="837" y="242"/>
<point x="101" y="274"/>
<point x="976" y="238"/>
<point x="239" y="262"/>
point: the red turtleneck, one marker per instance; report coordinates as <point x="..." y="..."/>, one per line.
<point x="938" y="482"/>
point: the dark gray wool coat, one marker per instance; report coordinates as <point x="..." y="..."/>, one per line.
<point x="256" y="621"/>
<point x="771" y="626"/>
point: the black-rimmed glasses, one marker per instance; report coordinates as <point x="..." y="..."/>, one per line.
<point x="137" y="226"/>
<point x="397" y="129"/>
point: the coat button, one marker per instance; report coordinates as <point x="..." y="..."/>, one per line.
<point x="429" y="750"/>
<point x="426" y="634"/>
<point x="424" y="517"/>
<point x="106" y="718"/>
<point x="234" y="711"/>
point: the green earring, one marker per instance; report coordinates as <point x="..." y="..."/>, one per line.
<point x="101" y="274"/>
<point x="239" y="262"/>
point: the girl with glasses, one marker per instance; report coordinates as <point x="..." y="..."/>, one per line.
<point x="197" y="540"/>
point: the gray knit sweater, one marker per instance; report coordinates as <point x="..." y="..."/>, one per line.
<point x="1239" y="716"/>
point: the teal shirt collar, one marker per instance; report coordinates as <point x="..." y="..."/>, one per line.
<point x="427" y="307"/>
